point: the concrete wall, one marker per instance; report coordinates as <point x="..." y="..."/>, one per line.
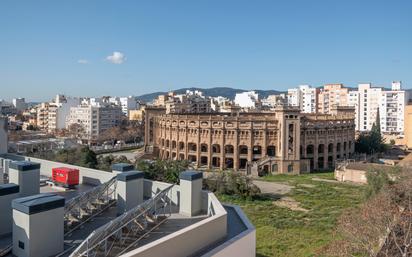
<point x="350" y="175"/>
<point x="153" y="187"/>
<point x="191" y="239"/>
<point x="6" y="213"/>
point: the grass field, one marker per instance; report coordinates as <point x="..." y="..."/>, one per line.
<point x="285" y="232"/>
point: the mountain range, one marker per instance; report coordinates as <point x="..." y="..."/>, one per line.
<point x="213" y="92"/>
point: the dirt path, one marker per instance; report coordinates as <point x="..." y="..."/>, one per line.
<point x="274" y="188"/>
<point x="277" y="192"/>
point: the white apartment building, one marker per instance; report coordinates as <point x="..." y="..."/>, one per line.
<point x="294" y="97"/>
<point x="305" y="97"/>
<point x="94" y="119"/>
<point x="353" y="100"/>
<point x="248" y="99"/>
<point x="369" y="98"/>
<point x="392" y="109"/>
<point x="126" y="103"/>
<point x="59" y="110"/>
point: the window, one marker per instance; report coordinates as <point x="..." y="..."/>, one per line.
<point x="290" y="168"/>
<point x="21" y="245"/>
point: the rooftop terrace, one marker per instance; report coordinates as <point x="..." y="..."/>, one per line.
<point x="169" y="220"/>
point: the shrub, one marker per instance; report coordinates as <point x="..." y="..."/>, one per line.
<point x="162" y="170"/>
<point x="231" y="183"/>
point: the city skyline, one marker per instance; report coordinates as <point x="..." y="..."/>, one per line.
<point x="133" y="48"/>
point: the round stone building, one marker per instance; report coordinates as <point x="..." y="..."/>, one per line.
<point x="282" y="141"/>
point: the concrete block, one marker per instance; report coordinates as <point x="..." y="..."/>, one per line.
<point x="129" y="190"/>
<point x="38" y="225"/>
<point x="122" y="167"/>
<point x="8" y="192"/>
<point x="190" y="193"/>
<point x="27" y="175"/>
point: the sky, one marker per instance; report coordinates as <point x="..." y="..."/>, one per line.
<point x="95" y="48"/>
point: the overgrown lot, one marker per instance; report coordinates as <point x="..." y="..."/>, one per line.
<point x="285" y="231"/>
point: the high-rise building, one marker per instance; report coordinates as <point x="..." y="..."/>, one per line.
<point x="392" y="109"/>
<point x="369" y="98"/>
<point x="353" y="100"/>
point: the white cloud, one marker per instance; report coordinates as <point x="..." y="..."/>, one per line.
<point x="82" y="61"/>
<point x="116" y="58"/>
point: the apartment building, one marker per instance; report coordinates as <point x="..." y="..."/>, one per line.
<point x="332" y="95"/>
<point x="369" y="98"/>
<point x="274" y="100"/>
<point x="126" y="103"/>
<point x="305" y="97"/>
<point x="189" y="102"/>
<point x="392" y="109"/>
<point x="19" y="103"/>
<point x="353" y="101"/>
<point x="58" y="111"/>
<point x="94" y="120"/>
<point x="43" y="116"/>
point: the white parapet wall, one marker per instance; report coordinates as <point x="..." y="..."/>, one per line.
<point x="242" y="245"/>
<point x="87" y="175"/>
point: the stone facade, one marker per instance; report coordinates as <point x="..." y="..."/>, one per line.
<point x="282" y="141"/>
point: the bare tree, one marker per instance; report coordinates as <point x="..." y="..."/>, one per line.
<point x="76" y="130"/>
<point x="380" y="227"/>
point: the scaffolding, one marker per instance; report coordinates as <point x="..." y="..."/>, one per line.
<point x="87" y="205"/>
<point x="126" y="231"/>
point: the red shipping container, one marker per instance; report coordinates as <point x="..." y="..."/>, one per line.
<point x="66" y="177"/>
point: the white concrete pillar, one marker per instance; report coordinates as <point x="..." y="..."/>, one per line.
<point x="26" y="174"/>
<point x="8" y="192"/>
<point x="129" y="190"/>
<point x="122" y="167"/>
<point x="190" y="193"/>
<point x="38" y="225"/>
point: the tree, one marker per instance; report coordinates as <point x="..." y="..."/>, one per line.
<point x="76" y="130"/>
<point x="371" y="142"/>
<point x="88" y="158"/>
<point x="163" y="170"/>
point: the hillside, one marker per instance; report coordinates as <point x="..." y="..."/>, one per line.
<point x="215" y="91"/>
